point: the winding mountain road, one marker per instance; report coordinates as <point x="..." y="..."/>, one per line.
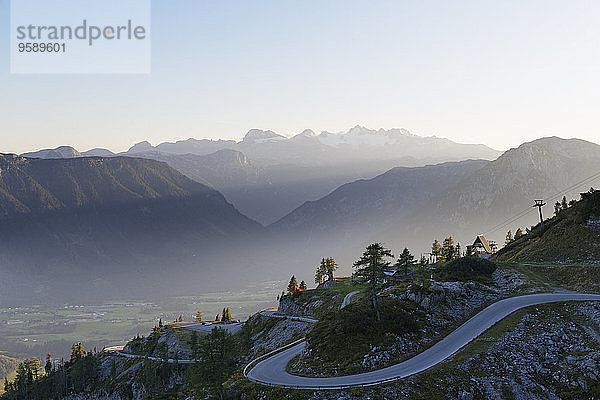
<point x="272" y="370"/>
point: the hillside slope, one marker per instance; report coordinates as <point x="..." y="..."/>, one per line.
<point x="503" y="188"/>
<point x="99" y="224"/>
<point x="363" y="206"/>
<point x="571" y="236"/>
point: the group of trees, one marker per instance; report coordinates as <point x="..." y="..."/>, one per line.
<point x="55" y="380"/>
<point x="447" y="251"/>
<point x="225" y="315"/>
<point x="372" y="266"/>
<point x="510" y="238"/>
<point x="325" y="270"/>
<point x="563" y="205"/>
<point x="293" y="286"/>
<point x="218" y="352"/>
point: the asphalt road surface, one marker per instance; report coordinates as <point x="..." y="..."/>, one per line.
<point x="273" y="313"/>
<point x="271" y="371"/>
<point x="201" y="327"/>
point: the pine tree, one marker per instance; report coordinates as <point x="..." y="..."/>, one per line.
<point x="180" y="318"/>
<point x="509" y="237"/>
<point x="457" y="251"/>
<point x="77" y="352"/>
<point x="293" y="285"/>
<point x="218" y="352"/>
<point x="199" y="316"/>
<point x="48" y="366"/>
<point x="436" y="250"/>
<point x="423" y="272"/>
<point x="371" y="268"/>
<point x="303" y="285"/>
<point x="160" y="323"/>
<point x="448" y="249"/>
<point x="469" y="252"/>
<point x="320" y="272"/>
<point x="405" y="260"/>
<point x="518" y="233"/>
<point x="563" y="204"/>
<point x="557" y="208"/>
<point x="330" y="267"/>
<point x="226" y="315"/>
<point x="217" y="319"/>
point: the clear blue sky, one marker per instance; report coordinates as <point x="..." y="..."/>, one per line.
<point x="494" y="72"/>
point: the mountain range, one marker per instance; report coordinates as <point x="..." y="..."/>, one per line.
<point x="411" y="207"/>
<point x="151" y="208"/>
<point x="267" y="175"/>
<point x="105" y="225"/>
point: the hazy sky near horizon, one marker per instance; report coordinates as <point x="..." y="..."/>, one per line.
<point x="493" y="72"/>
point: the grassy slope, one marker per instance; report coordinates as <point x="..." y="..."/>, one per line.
<point x="565" y="238"/>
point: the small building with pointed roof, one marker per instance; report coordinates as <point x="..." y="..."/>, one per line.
<point x="481" y="247"/>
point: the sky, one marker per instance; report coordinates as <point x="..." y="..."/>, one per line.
<point x="493" y="72"/>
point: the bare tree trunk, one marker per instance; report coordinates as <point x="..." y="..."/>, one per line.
<point x="374" y="299"/>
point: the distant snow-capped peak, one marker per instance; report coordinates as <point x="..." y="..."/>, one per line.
<point x="360" y="136"/>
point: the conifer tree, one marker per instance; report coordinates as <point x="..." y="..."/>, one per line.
<point x="448" y="249"/>
<point x="226" y="317"/>
<point x="199" y="316"/>
<point x="405" y="261"/>
<point x="48" y="366"/>
<point x="160" y="323"/>
<point x="293" y="285"/>
<point x="303" y="285"/>
<point x="557" y="208"/>
<point x="509" y="237"/>
<point x="436" y="250"/>
<point x="217" y="319"/>
<point x="371" y="268"/>
<point x="518" y="233"/>
<point x="563" y="204"/>
<point x="320" y="272"/>
<point x="330" y="267"/>
<point x="77" y="352"/>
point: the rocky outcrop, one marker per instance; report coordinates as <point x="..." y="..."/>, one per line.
<point x="280" y="334"/>
<point x="289" y="306"/>
<point x="543" y="357"/>
<point x="593" y="223"/>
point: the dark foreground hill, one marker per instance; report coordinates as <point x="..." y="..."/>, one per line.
<point x="573" y="235"/>
<point x="76" y="227"/>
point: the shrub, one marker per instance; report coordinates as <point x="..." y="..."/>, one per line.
<point x="466" y="269"/>
<point x="348" y="333"/>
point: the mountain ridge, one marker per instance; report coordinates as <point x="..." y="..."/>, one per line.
<point x="116" y="221"/>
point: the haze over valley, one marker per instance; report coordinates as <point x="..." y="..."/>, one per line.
<point x="204" y="214"/>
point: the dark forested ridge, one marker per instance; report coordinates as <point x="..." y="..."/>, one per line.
<point x="105" y="221"/>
